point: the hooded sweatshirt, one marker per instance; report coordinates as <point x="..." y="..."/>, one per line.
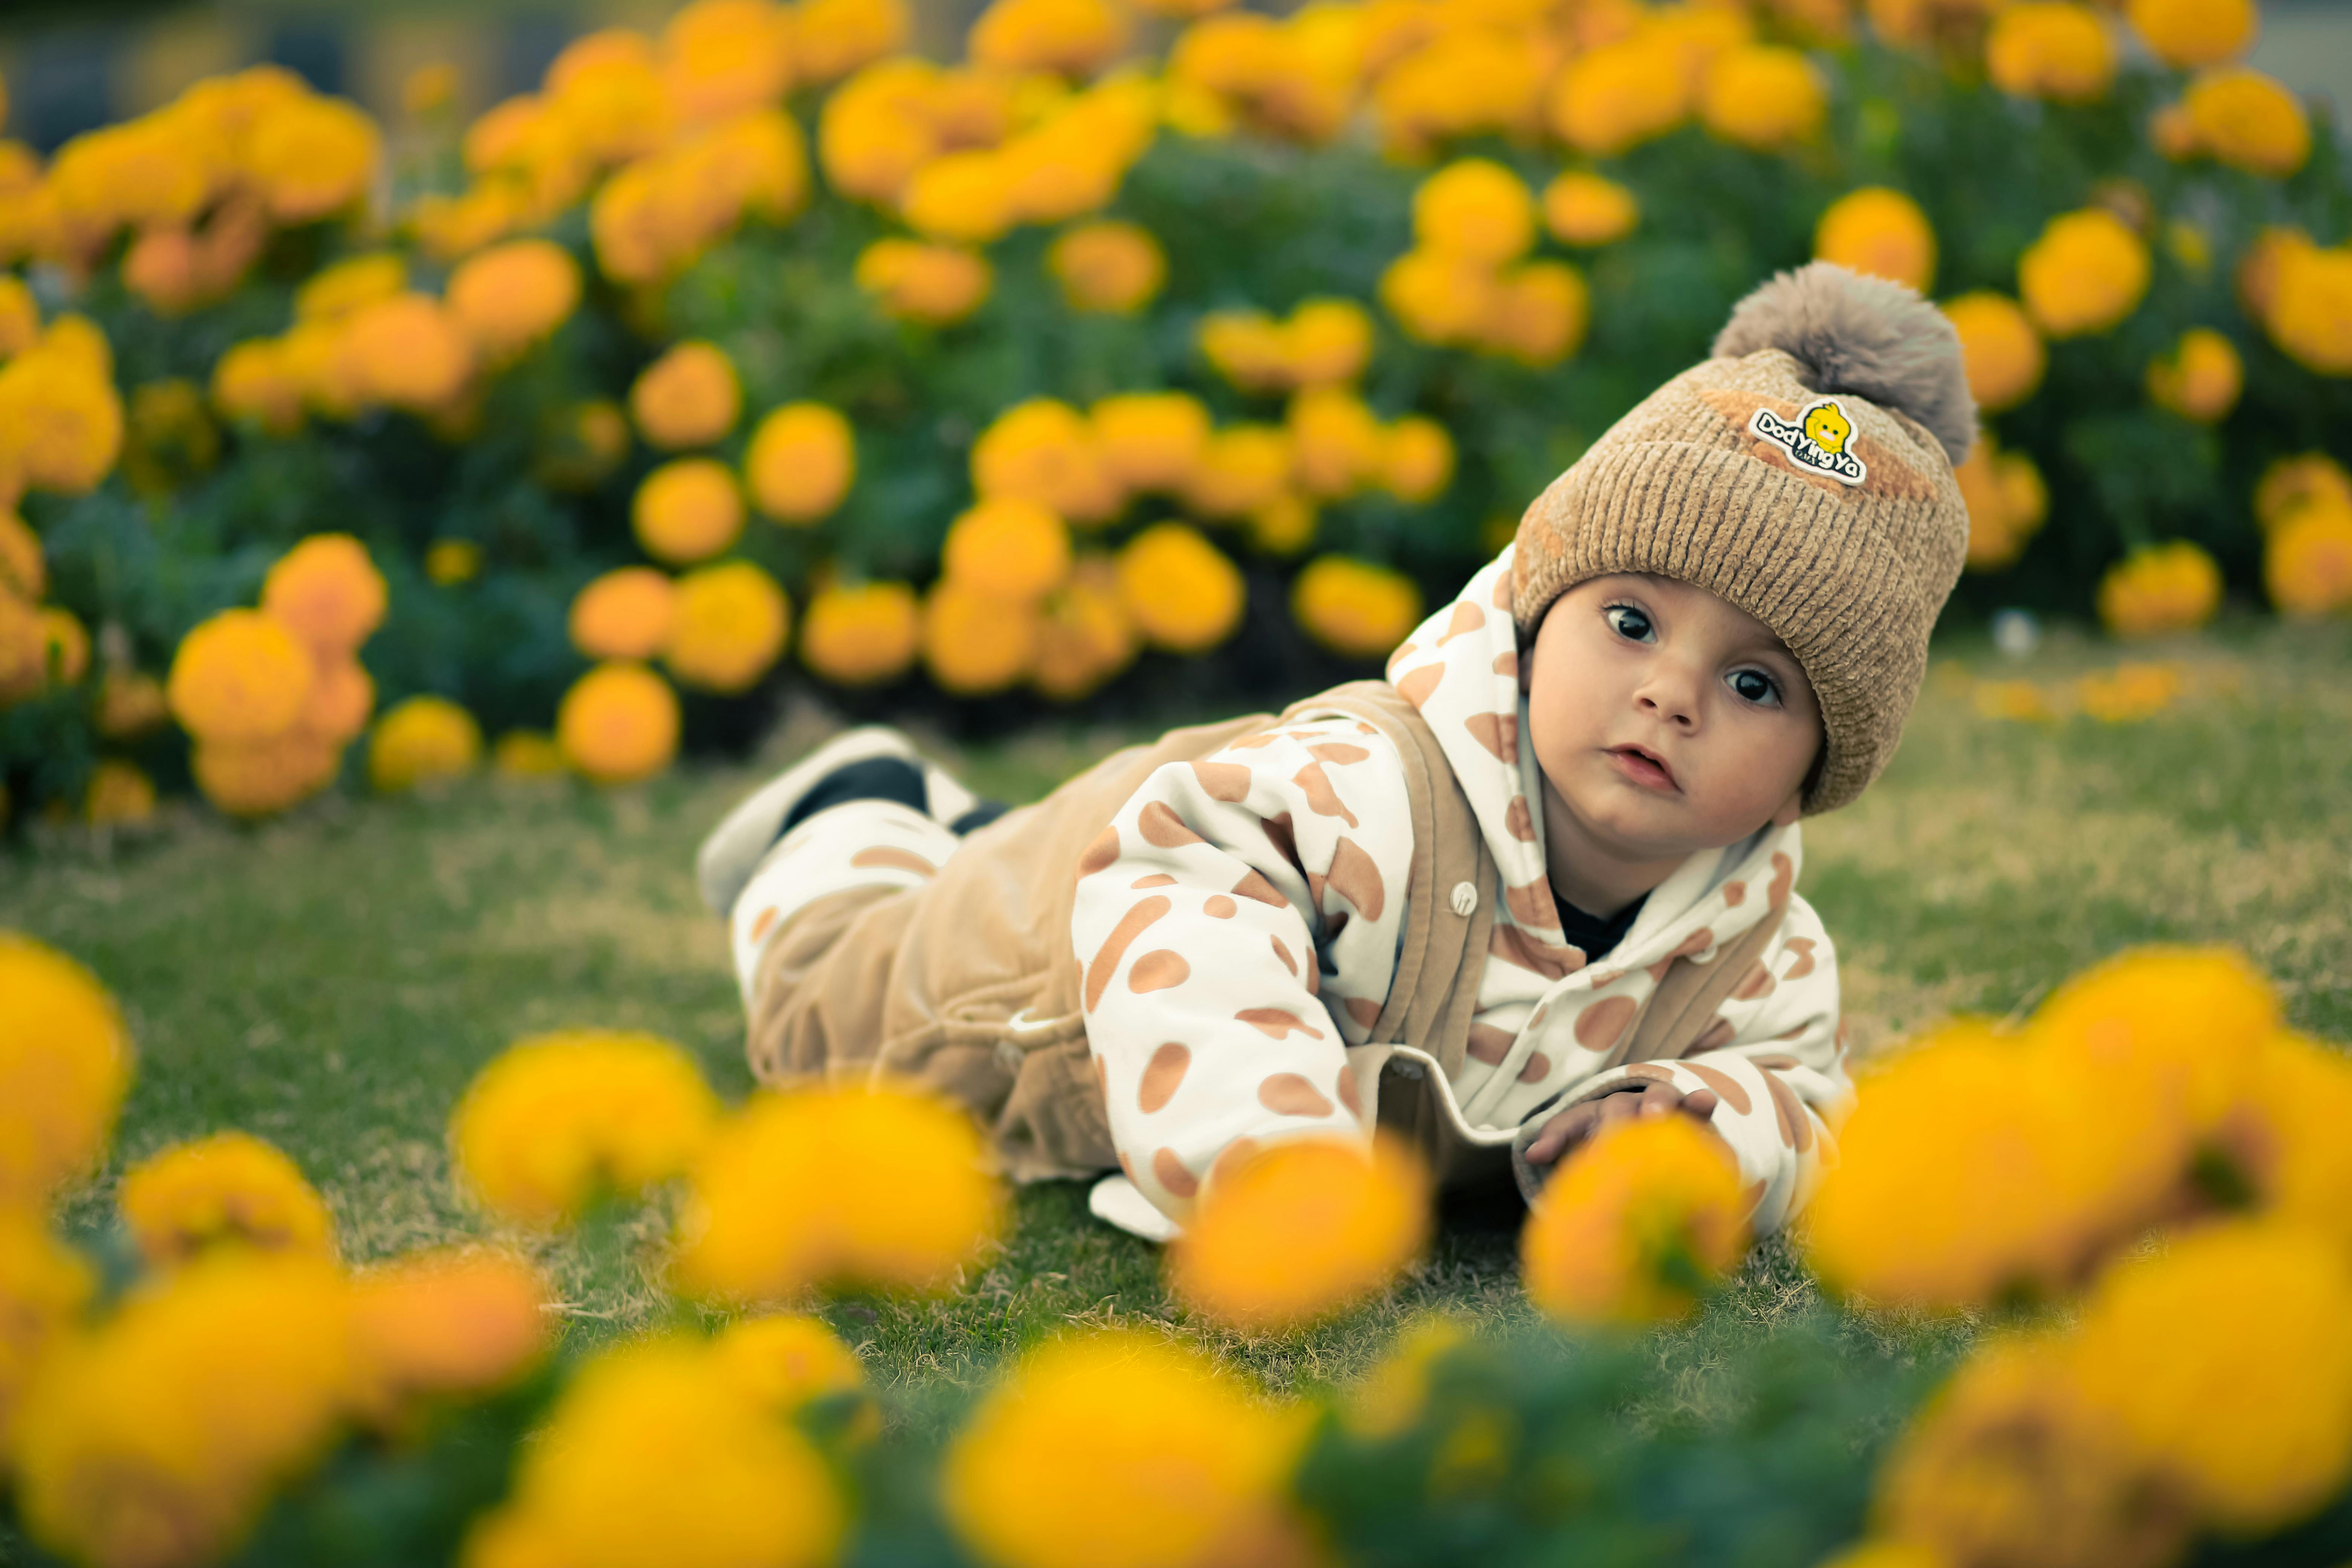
<point x="1244" y="983"/>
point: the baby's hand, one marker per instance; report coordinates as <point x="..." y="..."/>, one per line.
<point x="1634" y="1097"/>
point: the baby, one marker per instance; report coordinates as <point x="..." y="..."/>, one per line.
<point x="1539" y="879"/>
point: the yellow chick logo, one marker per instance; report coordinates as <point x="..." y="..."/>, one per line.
<point x="1828" y="427"/>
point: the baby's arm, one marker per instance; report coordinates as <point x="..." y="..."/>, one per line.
<point x="1200" y="917"/>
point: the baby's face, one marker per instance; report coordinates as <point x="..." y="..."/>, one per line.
<point x="1665" y="720"/>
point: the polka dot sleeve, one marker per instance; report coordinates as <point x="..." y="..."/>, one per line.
<point x="1237" y="927"/>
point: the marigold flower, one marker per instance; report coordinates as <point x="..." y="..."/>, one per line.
<point x="1337" y="444"/>
<point x="688" y="510"/>
<point x="1762" y="96"/>
<point x="1585" y="209"/>
<point x="408" y="351"/>
<point x="2307" y="562"/>
<point x="338" y="289"/>
<point x="556" y="1118"/>
<point x="1354" y="607"/>
<point x="2172" y="1025"/>
<point x="64" y="1061"/>
<point x="1247" y="348"/>
<point x="1536" y="313"/>
<point x="1184" y="595"/>
<point x="2004" y="354"/>
<point x="1416" y="459"/>
<point x="625" y="614"/>
<point x="1243" y="469"/>
<point x="688" y="398"/>
<point x="311" y="155"/>
<point x="2191" y="33"/>
<point x="1108" y="266"/>
<point x="255" y="382"/>
<point x="61" y="422"/>
<point x="2084" y="274"/>
<point x="1007" y="548"/>
<point x="2310" y="313"/>
<point x="1636" y="1224"/>
<point x="2051" y="48"/>
<point x="1293" y="1232"/>
<point x="1084" y="635"/>
<point x="801" y="462"/>
<point x="1474" y="209"/>
<point x="1390" y="1398"/>
<point x="342" y="695"/>
<point x="2009" y="1463"/>
<point x="23" y="570"/>
<point x="833" y="37"/>
<point x="527" y="754"/>
<point x="261" y="778"/>
<point x="2159" y="589"/>
<point x="65" y="646"/>
<point x="240" y="676"/>
<point x="1437" y="299"/>
<point x="731" y="626"/>
<point x="861" y="634"/>
<point x="722" y="57"/>
<point x="2283" y="1134"/>
<point x="1044" y="451"/>
<point x="326" y="591"/>
<point x="449" y="1322"/>
<point x="2128" y="693"/>
<point x="962" y="197"/>
<point x="422" y="741"/>
<point x="129" y="704"/>
<point x="23" y="651"/>
<point x="2249" y="121"/>
<point x="20" y="317"/>
<point x="159" y="1438"/>
<point x="1609" y="99"/>
<point x="1326" y="341"/>
<point x="230" y="1189"/>
<point x="2007" y="503"/>
<point x="450" y="562"/>
<point x="786" y="1360"/>
<point x="1880" y="232"/>
<point x="618" y="723"/>
<point x="2289" y="484"/>
<point x="937" y="285"/>
<point x="511" y="295"/>
<point x="44" y="1287"/>
<point x="120" y="795"/>
<point x="1076" y="37"/>
<point x="814" y="1186"/>
<point x="2200" y="379"/>
<point x="1118" y="1451"/>
<point x="723" y="1482"/>
<point x="974" y="643"/>
<point x="1152" y="440"/>
<point x="2260" y="1441"/>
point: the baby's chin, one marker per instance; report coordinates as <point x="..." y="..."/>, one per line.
<point x="1634" y="826"/>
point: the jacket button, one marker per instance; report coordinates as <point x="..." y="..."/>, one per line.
<point x="1465" y="898"/>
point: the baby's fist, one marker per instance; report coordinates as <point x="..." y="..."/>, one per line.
<point x="1569" y="1130"/>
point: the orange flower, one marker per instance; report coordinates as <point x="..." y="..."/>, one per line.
<point x="342" y="695"/>
<point x="688" y="398"/>
<point x="1044" y="450"/>
<point x="511" y="295"/>
<point x="1074" y="36"/>
<point x="311" y="155"/>
<point x="937" y="285"/>
<point x="801" y="463"/>
<point x="1437" y="299"/>
<point x="1762" y="96"/>
<point x="2200" y="379"/>
<point x="1582" y="208"/>
<point x="261" y="778"/>
<point x="406" y="351"/>
<point x="618" y="723"/>
<point x="732" y="625"/>
<point x="1007" y="548"/>
<point x="2310" y="314"/>
<point x="1108" y="266"/>
<point x="1538" y="314"/>
<point x="2290" y="484"/>
<point x="833" y="37"/>
<point x="2084" y="274"/>
<point x="238" y="677"/>
<point x="2249" y="121"/>
<point x="962" y="198"/>
<point x="625" y="614"/>
<point x="1246" y="347"/>
<point x="2005" y="353"/>
<point x="2191" y="33"/>
<point x="1611" y="99"/>
<point x="2307" y="562"/>
<point x="861" y="634"/>
<point x="423" y="740"/>
<point x="1336" y="441"/>
<point x="1635" y="1223"/>
<point x="1084" y="635"/>
<point x="688" y="510"/>
<point x="1476" y="210"/>
<point x="1152" y="440"/>
<point x="1242" y="469"/>
<point x="1881" y="232"/>
<point x="23" y="572"/>
<point x="327" y="592"/>
<point x="120" y="795"/>
<point x="973" y="643"/>
<point x="1293" y="1232"/>
<point x="722" y="57"/>
<point x="1326" y="341"/>
<point x="1353" y="607"/>
<point x="1184" y="595"/>
<point x="2160" y="589"/>
<point x="2051" y="48"/>
<point x="438" y="1323"/>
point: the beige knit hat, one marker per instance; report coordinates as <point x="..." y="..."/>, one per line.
<point x="1803" y="474"/>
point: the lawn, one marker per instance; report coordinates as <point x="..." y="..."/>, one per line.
<point x="332" y="980"/>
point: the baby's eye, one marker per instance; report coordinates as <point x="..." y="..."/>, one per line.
<point x="1755" y="686"/>
<point x="1628" y="622"/>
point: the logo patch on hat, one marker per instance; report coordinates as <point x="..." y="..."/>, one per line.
<point x="1816" y="440"/>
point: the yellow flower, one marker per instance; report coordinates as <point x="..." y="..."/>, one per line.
<point x="511" y="295"/>
<point x="786" y="1361"/>
<point x="974" y="643"/>
<point x="2007" y="1463"/>
<point x="1762" y="96"/>
<point x="2191" y="33"/>
<point x="1007" y="549"/>
<point x="159" y="1438"/>
<point x="1585" y="209"/>
<point x="527" y="754"/>
<point x="1609" y="100"/>
<point x="2020" y="701"/>
<point x="449" y="1322"/>
<point x="2260" y="1441"/>
<point x="1476" y="210"/>
<point x="861" y="634"/>
<point x="255" y="382"/>
<point x="337" y="290"/>
<point x="450" y="562"/>
<point x="625" y="614"/>
<point x="688" y="510"/>
<point x="2128" y="693"/>
<point x="2084" y="274"/>
<point x="618" y="723"/>
<point x="1109" y="266"/>
<point x="1184" y="595"/>
<point x="688" y="398"/>
<point x="833" y="37"/>
<point x="326" y="591"/>
<point x="2171" y="1029"/>
<point x="129" y="704"/>
<point x="1416" y="459"/>
<point x="120" y="795"/>
<point x="43" y="1285"/>
<point x="2307" y="562"/>
<point x="2005" y="353"/>
<point x="1044" y="451"/>
<point x="937" y="285"/>
<point x="1326" y="341"/>
<point x="20" y="316"/>
<point x="342" y="694"/>
<point x="1336" y="442"/>
<point x="1437" y="299"/>
<point x="1152" y="440"/>
<point x="1353" y="607"/>
<point x="65" y="646"/>
<point x="61" y="421"/>
<point x="811" y="1186"/>
<point x="654" y="1455"/>
<point x="723" y="56"/>
<point x="260" y="778"/>
<point x="1247" y="348"/>
<point x="230" y="1189"/>
<point x="559" y="1117"/>
<point x="1536" y="313"/>
<point x="2249" y="121"/>
<point x="2160" y="589"/>
<point x="407" y="352"/>
<point x="1881" y="232"/>
<point x="732" y="622"/>
<point x="1390" y="1398"/>
<point x="2199" y="379"/>
<point x="801" y="463"/>
<point x="1084" y="635"/>
<point x="1243" y="469"/>
<point x="2310" y="312"/>
<point x="240" y="676"/>
<point x="1076" y="37"/>
<point x="23" y="570"/>
<point x="2051" y="48"/>
<point x="2290" y="484"/>
<point x="65" y="1061"/>
<point x="1291" y="1234"/>
<point x="311" y="155"/>
<point x="1118" y="1451"/>
<point x="2283" y="1134"/>
<point x="423" y="740"/>
<point x="1635" y="1224"/>
<point x="964" y="198"/>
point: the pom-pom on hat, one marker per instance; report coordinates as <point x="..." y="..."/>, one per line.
<point x="1804" y="474"/>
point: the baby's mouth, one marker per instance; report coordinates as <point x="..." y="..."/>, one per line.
<point x="1644" y="767"/>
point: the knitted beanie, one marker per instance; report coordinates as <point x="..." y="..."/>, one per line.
<point x="1804" y="474"/>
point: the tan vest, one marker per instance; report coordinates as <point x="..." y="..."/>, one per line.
<point x="970" y="983"/>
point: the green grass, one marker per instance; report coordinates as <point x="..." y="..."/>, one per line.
<point x="332" y="980"/>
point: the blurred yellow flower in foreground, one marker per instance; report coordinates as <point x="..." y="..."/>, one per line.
<point x="2170" y="1029"/>
<point x="423" y="740"/>
<point x="1416" y="459"/>
<point x="1119" y="1450"/>
<point x="1109" y="266"/>
<point x="1300" y="1230"/>
<point x="628" y="613"/>
<point x="2159" y="589"/>
<point x="44" y="1287"/>
<point x="2200" y="379"/>
<point x="883" y="1187"/>
<point x="1243" y="467"/>
<point x="158" y="1439"/>
<point x="732" y="623"/>
<point x="2129" y="692"/>
<point x="656" y="1455"/>
<point x="1881" y="232"/>
<point x="1582" y="208"/>
<point x="1183" y="594"/>
<point x="2051" y="48"/>
<point x="687" y="397"/>
<point x="1636" y="1224"/>
<point x="786" y="1361"/>
<point x="1336" y="442"/>
<point x="440" y="1324"/>
<point x="2191" y="33"/>
<point x="2307" y="562"/>
<point x="1073" y="36"/>
<point x="1354" y="607"/>
<point x="228" y="1190"/>
<point x="1611" y="99"/>
<point x="1392" y="1396"/>
<point x="258" y="778"/>
<point x="2005" y="353"/>
<point x="558" y="1119"/>
<point x="801" y="463"/>
<point x="2285" y="1134"/>
<point x="2085" y="273"/>
<point x="862" y="634"/>
<point x="64" y="1061"/>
